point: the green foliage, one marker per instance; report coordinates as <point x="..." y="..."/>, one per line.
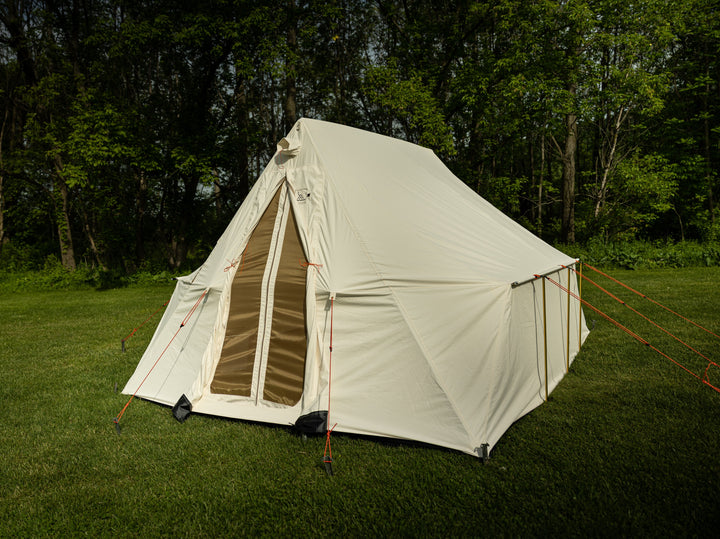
<point x="97" y="141"/>
<point x="51" y="276"/>
<point x="643" y="254"/>
<point x="504" y="193"/>
<point x="20" y="273"/>
<point x="17" y="257"/>
<point x="643" y="189"/>
<point x="411" y="103"/>
<point x="165" y="113"/>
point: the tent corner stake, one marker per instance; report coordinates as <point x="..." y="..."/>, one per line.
<point x="327" y="462"/>
<point x="483" y="452"/>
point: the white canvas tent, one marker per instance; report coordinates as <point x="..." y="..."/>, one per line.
<point x="370" y="243"/>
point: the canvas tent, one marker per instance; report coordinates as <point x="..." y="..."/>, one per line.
<point x="370" y="243"/>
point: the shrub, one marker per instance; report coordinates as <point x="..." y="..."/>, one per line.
<point x="642" y="254"/>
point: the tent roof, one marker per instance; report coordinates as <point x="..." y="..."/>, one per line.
<point x="412" y="214"/>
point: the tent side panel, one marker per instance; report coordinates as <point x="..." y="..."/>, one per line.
<point x="288" y="343"/>
<point x="170" y="362"/>
<point x="233" y="375"/>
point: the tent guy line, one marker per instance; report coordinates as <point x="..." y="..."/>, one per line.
<point x="117" y="418"/>
<point x="625" y="304"/>
<point x="136" y="329"/>
<point x="651" y="300"/>
<point x="327" y="456"/>
<point x="702" y="378"/>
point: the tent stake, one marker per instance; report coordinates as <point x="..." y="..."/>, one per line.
<point x="483" y="452"/>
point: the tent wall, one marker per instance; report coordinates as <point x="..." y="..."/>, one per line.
<point x="526" y="374"/>
<point x="171" y="363"/>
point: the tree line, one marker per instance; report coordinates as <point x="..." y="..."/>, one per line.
<point x="132" y="130"/>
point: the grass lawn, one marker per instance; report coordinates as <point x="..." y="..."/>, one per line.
<point x="628" y="444"/>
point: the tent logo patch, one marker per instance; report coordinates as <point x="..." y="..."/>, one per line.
<point x="303" y="195"/>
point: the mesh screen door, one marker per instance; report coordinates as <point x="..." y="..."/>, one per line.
<point x="263" y="352"/>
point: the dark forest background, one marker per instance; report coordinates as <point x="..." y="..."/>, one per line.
<point x="132" y="130"/>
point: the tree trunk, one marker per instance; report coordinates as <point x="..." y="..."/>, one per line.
<point x="184" y="222"/>
<point x="141" y="208"/>
<point x="18" y="41"/>
<point x="90" y="234"/>
<point x="178" y="251"/>
<point x="541" y="186"/>
<point x="708" y="167"/>
<point x="291" y="69"/>
<point x="2" y="209"/>
<point x="243" y="126"/>
<point x="608" y="159"/>
<point x="475" y="157"/>
<point x="533" y="180"/>
<point x="567" y="226"/>
<point x="62" y="218"/>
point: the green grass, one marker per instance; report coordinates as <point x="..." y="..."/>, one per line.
<point x="627" y="445"/>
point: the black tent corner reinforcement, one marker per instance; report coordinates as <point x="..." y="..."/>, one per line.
<point x="182" y="409"/>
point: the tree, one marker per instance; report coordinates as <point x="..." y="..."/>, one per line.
<point x="690" y="132"/>
<point x="628" y="82"/>
<point x="576" y="118"/>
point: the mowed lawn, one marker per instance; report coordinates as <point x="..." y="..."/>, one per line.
<point x="629" y="443"/>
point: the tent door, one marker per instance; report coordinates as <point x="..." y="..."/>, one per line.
<point x="263" y="354"/>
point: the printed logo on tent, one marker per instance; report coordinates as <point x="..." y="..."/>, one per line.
<point x="303" y="195"/>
